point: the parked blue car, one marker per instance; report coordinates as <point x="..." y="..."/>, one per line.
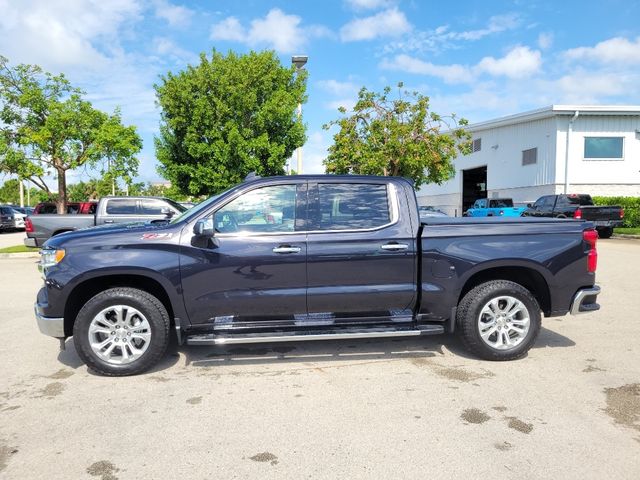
<point x="494" y="207"/>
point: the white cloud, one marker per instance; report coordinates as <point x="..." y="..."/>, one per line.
<point x="57" y="33"/>
<point x="617" y="50"/>
<point x="367" y="4"/>
<point x="545" y="40"/>
<point x="175" y="15"/>
<point x="388" y="23"/>
<point x="442" y="37"/>
<point x="336" y="87"/>
<point x="344" y="94"/>
<point x="519" y="62"/>
<point x="278" y="30"/>
<point x="228" y="29"/>
<point x="166" y="48"/>
<point x="449" y="73"/>
<point x="497" y="24"/>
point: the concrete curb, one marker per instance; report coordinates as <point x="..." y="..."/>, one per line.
<point x="20" y="255"/>
<point x="625" y="235"/>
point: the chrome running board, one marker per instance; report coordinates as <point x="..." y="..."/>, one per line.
<point x="347" y="334"/>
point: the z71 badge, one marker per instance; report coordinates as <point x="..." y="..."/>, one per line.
<point x="156" y="236"/>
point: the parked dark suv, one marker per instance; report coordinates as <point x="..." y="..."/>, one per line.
<point x="7" y="220"/>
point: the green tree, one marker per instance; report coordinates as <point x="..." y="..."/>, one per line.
<point x="396" y="137"/>
<point x="47" y="128"/>
<point x="227" y="116"/>
<point x="10" y="193"/>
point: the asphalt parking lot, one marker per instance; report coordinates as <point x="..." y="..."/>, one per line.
<point x="416" y="408"/>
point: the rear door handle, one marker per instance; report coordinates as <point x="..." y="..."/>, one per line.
<point x="286" y="249"/>
<point x="108" y="221"/>
<point x="394" y="247"/>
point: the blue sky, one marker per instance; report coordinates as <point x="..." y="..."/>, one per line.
<point x="477" y="59"/>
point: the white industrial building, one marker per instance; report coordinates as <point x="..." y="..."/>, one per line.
<point x="562" y="148"/>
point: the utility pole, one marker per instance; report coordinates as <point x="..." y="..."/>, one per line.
<point x="21" y="193"/>
<point x="299" y="61"/>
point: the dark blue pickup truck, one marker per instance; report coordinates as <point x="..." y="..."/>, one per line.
<point x="310" y="258"/>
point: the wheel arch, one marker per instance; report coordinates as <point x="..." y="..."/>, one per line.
<point x="90" y="287"/>
<point x="527" y="276"/>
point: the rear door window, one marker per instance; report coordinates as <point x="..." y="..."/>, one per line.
<point x="502" y="203"/>
<point x="584" y="200"/>
<point x="352" y="206"/>
<point x="121" y="206"/>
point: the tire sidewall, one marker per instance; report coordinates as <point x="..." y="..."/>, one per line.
<point x="158" y="322"/>
<point x="476" y="305"/>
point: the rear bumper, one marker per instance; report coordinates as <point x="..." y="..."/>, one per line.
<point x="584" y="301"/>
<point x="52" y="326"/>
<point x="607" y="223"/>
<point x="30" y="242"/>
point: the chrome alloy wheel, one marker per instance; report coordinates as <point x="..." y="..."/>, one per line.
<point x="503" y="322"/>
<point x="119" y="334"/>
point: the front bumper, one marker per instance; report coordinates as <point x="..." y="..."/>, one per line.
<point x="52" y="326"/>
<point x="584" y="301"/>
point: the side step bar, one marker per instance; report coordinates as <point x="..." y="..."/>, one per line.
<point x="347" y="334"/>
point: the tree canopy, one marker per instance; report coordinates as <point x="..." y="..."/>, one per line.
<point x="10" y="193"/>
<point x="396" y="137"/>
<point x="228" y="116"/>
<point x="47" y="128"/>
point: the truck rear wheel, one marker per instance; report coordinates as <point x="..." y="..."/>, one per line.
<point x="605" y="232"/>
<point x="121" y="331"/>
<point x="499" y="320"/>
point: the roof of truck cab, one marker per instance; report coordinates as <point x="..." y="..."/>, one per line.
<point x="320" y="177"/>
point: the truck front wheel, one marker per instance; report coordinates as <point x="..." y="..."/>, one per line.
<point x="121" y="331"/>
<point x="499" y="320"/>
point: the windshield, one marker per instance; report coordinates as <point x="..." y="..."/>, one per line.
<point x="176" y="205"/>
<point x="193" y="211"/>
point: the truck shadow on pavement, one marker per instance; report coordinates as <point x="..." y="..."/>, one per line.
<point x="344" y="350"/>
<point x="317" y="351"/>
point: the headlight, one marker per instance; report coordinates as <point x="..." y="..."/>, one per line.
<point x="50" y="257"/>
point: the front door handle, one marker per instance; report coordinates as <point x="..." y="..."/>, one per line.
<point x="108" y="221"/>
<point x="286" y="249"/>
<point x="394" y="247"/>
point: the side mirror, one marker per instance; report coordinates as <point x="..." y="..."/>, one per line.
<point x="167" y="211"/>
<point x="204" y="228"/>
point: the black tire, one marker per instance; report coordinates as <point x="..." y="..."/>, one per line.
<point x="145" y="303"/>
<point x="605" y="232"/>
<point x="469" y="312"/>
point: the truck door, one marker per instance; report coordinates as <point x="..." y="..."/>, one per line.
<point x="361" y="253"/>
<point x="254" y="269"/>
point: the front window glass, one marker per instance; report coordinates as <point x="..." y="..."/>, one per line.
<point x="153" y="207"/>
<point x="263" y="210"/>
<point x="353" y="206"/>
<point x="603" y="147"/>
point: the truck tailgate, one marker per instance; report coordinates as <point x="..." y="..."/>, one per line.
<point x="595" y="213"/>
